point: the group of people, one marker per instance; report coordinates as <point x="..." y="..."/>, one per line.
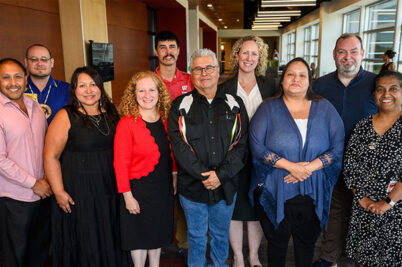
<point x="294" y="161"/>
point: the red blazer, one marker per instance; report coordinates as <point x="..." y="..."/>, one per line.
<point x="135" y="152"/>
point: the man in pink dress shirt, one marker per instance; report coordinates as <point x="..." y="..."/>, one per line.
<point x="24" y="215"/>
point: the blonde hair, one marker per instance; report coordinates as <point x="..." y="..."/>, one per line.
<point x="262" y="54"/>
<point x="129" y="104"/>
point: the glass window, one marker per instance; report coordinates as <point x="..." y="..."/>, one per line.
<point x="379" y="32"/>
<point x="311" y="44"/>
<point x="378" y="43"/>
<point x="291" y="46"/>
<point x="351" y="21"/>
<point x="381" y="15"/>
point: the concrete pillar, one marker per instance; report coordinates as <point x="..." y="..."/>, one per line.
<point x="194" y="26"/>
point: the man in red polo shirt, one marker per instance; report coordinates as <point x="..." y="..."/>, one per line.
<point x="167" y="50"/>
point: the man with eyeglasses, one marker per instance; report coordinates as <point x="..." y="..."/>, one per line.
<point x="51" y="94"/>
<point x="208" y="132"/>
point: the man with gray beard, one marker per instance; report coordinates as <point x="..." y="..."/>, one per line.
<point x="349" y="90"/>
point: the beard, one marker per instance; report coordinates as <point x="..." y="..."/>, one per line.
<point x="40" y="75"/>
<point x="348" y="71"/>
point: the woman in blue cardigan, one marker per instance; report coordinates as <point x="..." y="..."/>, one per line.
<point x="296" y="141"/>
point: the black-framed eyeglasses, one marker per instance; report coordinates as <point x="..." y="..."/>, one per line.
<point x="208" y="69"/>
<point x="42" y="59"/>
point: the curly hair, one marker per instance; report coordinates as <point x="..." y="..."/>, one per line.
<point x="262" y="54"/>
<point x="129" y="104"/>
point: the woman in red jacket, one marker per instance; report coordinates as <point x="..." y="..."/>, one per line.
<point x="142" y="161"/>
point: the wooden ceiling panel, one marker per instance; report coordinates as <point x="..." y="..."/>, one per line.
<point x="231" y="12"/>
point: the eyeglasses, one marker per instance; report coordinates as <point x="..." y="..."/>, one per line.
<point x="208" y="69"/>
<point x="42" y="59"/>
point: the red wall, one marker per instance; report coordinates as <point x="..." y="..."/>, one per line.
<point x="174" y="20"/>
<point x="23" y="23"/>
<point x="209" y="40"/>
<point x="127" y="29"/>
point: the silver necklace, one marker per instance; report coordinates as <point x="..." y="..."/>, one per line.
<point x="96" y="122"/>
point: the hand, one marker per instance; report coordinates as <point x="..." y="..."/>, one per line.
<point x="64" y="200"/>
<point x="365" y="202"/>
<point x="379" y="207"/>
<point x="42" y="188"/>
<point x="174" y="176"/>
<point x="132" y="204"/>
<point x="299" y="171"/>
<point x="212" y="182"/>
<point x="290" y="179"/>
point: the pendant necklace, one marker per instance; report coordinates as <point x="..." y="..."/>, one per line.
<point x="96" y="121"/>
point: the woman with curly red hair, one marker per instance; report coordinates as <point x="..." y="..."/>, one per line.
<point x="143" y="166"/>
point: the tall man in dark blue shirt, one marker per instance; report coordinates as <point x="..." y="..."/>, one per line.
<point x="51" y="94"/>
<point x="349" y="90"/>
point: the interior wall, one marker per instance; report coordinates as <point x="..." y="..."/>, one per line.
<point x="174" y="20"/>
<point x="209" y="40"/>
<point x="23" y="23"/>
<point x="127" y="30"/>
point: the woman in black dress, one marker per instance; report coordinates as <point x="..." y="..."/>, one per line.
<point x="249" y="62"/>
<point x="389" y="64"/>
<point x="143" y="165"/>
<point x="373" y="170"/>
<point x="78" y="159"/>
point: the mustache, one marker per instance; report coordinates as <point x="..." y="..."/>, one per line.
<point x="168" y="55"/>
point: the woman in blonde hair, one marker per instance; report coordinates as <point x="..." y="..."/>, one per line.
<point x="249" y="62"/>
<point x="143" y="165"/>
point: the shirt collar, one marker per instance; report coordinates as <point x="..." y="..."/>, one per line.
<point x="177" y="74"/>
<point x="355" y="79"/>
<point x="51" y="81"/>
<point x="4" y="100"/>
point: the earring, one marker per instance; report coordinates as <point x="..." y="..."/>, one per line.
<point x="100" y="102"/>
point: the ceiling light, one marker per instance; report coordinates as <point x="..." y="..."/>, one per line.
<point x="209" y="5"/>
<point x="278" y="3"/>
<point x="220" y="19"/>
<point x="272" y="19"/>
<point x="272" y="12"/>
<point x="225" y="27"/>
<point x="266" y="23"/>
<point x="237" y="20"/>
<point x="278" y="15"/>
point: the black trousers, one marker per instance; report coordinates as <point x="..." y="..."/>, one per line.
<point x="300" y="222"/>
<point x="24" y="232"/>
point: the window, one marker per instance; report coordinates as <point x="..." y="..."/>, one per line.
<point x="311" y="44"/>
<point x="291" y="42"/>
<point x="379" y="32"/>
<point x="351" y="21"/>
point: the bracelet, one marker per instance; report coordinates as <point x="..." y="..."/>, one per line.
<point x="389" y="201"/>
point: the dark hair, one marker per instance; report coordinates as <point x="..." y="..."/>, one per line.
<point x="390" y="53"/>
<point x="8" y="59"/>
<point x="74" y="105"/>
<point x="166" y="36"/>
<point x="310" y="95"/>
<point x="348" y="36"/>
<point x="387" y="74"/>
<point x="40" y="45"/>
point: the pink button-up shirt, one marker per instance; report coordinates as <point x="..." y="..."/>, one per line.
<point x="22" y="138"/>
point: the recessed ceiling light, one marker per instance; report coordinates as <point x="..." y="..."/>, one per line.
<point x="225" y="27"/>
<point x="238" y="20"/>
<point x="209" y="5"/>
<point x="220" y="19"/>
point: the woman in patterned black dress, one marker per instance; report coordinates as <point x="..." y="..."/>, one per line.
<point x="373" y="170"/>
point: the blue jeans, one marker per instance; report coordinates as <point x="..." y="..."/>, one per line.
<point x="200" y="218"/>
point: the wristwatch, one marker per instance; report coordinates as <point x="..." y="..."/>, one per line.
<point x="389" y="201"/>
